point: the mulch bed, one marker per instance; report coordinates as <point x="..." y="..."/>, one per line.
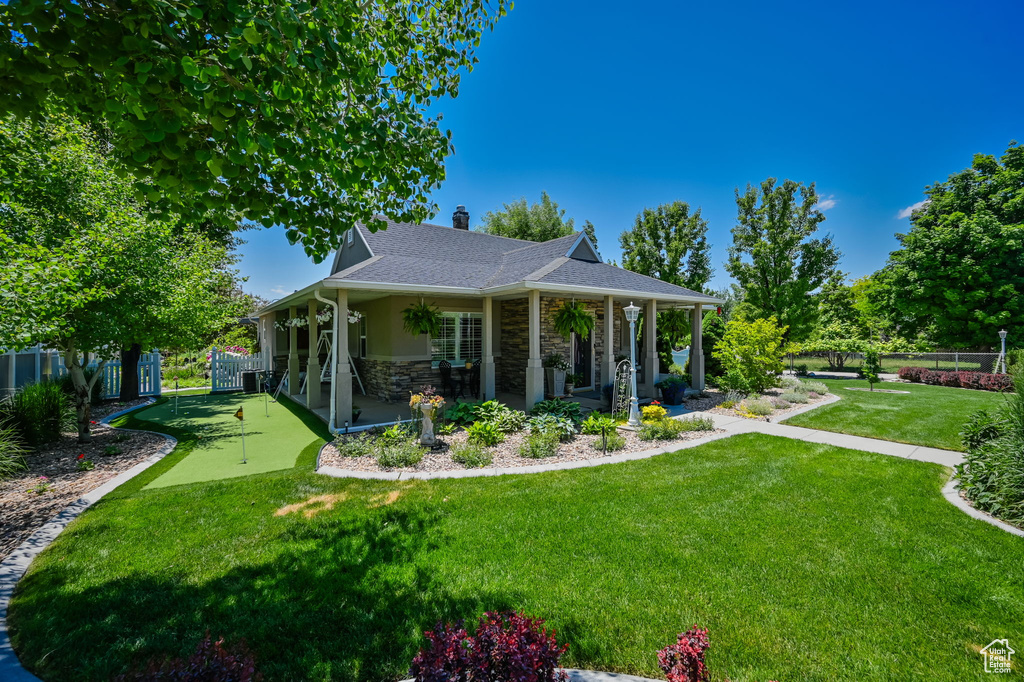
<point x="506" y="454"/>
<point x="23" y="511"/>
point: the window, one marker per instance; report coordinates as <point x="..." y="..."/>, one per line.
<point x="460" y="339"/>
<point x="362" y="336"/>
<point x="349" y="237"/>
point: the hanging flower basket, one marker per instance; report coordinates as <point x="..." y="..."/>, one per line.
<point x="573" y="317"/>
<point x="292" y="322"/>
<point x="420" y="318"/>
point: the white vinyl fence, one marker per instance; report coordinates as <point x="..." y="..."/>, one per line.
<point x="34" y="364"/>
<point x="226" y="369"/>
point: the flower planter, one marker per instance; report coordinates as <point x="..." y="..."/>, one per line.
<point x="673" y="395"/>
<point x="556" y="381"/>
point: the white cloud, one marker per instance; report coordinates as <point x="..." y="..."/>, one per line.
<point x="826" y="204"/>
<point x="906" y="212"/>
<point x="280" y="291"/>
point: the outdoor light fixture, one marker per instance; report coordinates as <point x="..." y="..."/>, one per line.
<point x="632" y="314"/>
<point x="1002" y="354"/>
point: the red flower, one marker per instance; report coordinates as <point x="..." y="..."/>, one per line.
<point x="81" y="456"/>
<point x="655" y="402"/>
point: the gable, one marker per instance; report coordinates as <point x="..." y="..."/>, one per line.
<point x="584" y="250"/>
<point x="354" y="249"/>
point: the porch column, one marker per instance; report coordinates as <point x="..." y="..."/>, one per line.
<point x="697" y="347"/>
<point x="313" y="365"/>
<point x="487" y="349"/>
<point x="652" y="367"/>
<point x="608" y="365"/>
<point x="342" y="372"/>
<point x="293" y="354"/>
<point x="267" y="334"/>
<point x="534" y="365"/>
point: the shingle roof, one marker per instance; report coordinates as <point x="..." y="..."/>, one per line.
<point x="434" y="255"/>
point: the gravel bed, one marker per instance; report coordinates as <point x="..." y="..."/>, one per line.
<point x="506" y="454"/>
<point x="769" y="394"/>
<point x="23" y="511"/>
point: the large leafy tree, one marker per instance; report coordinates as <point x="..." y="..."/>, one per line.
<point x="81" y="268"/>
<point x="669" y="243"/>
<point x="313" y="115"/>
<point x="538" y="222"/>
<point x="959" y="271"/>
<point x="776" y="258"/>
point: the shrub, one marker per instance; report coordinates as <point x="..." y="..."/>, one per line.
<point x="951" y="379"/>
<point x="789" y="382"/>
<point x="504" y="418"/>
<point x="489" y="410"/>
<point x="911" y="374"/>
<point x="211" y="662"/>
<point x="794" y="397"/>
<point x="595" y="422"/>
<point x="653" y="412"/>
<point x="539" y="445"/>
<point x="485" y="433"/>
<point x="558" y="408"/>
<point x="997" y="382"/>
<point x="734" y="381"/>
<point x="758" y="406"/>
<point x="562" y="427"/>
<point x="872" y="366"/>
<point x="684" y="660"/>
<point x="801" y="370"/>
<point x="507" y="646"/>
<point x="814" y="387"/>
<point x="395" y="434"/>
<point x="931" y="377"/>
<point x="405" y="454"/>
<point x="666" y="429"/>
<point x="38" y="413"/>
<point x="980" y="428"/>
<point x="111" y="450"/>
<point x="779" y="403"/>
<point x="728" y="404"/>
<point x="611" y="441"/>
<point x="471" y="455"/>
<point x="753" y="352"/>
<point x="970" y="380"/>
<point x="360" y="445"/>
<point x="12" y="452"/>
<point x="462" y="413"/>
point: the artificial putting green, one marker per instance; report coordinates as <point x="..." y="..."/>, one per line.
<point x="271" y="442"/>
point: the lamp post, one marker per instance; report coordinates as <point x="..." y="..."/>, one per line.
<point x="632" y="313"/>
<point x="1002" y="353"/>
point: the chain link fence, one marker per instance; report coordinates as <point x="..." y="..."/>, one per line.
<point x="949" y="361"/>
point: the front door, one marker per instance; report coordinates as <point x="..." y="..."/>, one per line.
<point x="583" y="359"/>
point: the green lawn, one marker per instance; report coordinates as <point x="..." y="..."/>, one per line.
<point x="274" y="436"/>
<point x="890" y="365"/>
<point x="929" y="415"/>
<point x="807" y="562"/>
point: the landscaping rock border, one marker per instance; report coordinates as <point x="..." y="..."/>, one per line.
<point x="16" y="564"/>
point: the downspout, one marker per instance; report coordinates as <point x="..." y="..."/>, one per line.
<point x="334" y="359"/>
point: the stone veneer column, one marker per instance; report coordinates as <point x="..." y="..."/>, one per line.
<point x="651" y="368"/>
<point x="313" y="364"/>
<point x="293" y="354"/>
<point x="697" y="347"/>
<point x="487" y="350"/>
<point x="534" y="365"/>
<point x="608" y="366"/>
<point x="342" y="372"/>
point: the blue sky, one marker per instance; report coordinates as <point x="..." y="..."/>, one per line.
<point x="611" y="111"/>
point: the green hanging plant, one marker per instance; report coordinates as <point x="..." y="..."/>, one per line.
<point x="420" y="318"/>
<point x="573" y="317"/>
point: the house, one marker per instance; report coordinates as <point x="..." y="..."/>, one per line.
<point x="498" y="296"/>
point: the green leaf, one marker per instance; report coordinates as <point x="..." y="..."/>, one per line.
<point x="251" y="35"/>
<point x="189" y="66"/>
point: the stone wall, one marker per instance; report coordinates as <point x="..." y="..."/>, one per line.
<point x="393" y="381"/>
<point x="510" y="368"/>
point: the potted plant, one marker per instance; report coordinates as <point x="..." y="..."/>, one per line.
<point x="420" y="318"/>
<point x="571" y="381"/>
<point x="673" y="387"/>
<point x="573" y="317"/>
<point x="556" y="367"/>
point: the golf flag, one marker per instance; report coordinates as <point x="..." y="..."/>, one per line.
<point x="238" y="415"/>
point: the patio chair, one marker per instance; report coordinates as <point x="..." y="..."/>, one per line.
<point x="448" y="382"/>
<point x="474" y="379"/>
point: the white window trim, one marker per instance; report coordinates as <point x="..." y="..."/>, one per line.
<point x="457" y="341"/>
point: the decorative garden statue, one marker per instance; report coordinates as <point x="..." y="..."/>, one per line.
<point x="428" y="403"/>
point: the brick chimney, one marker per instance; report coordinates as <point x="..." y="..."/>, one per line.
<point x="460" y="219"/>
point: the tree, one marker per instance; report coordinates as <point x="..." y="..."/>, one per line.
<point x="751" y="354"/>
<point x="669" y="243"/>
<point x="533" y="222"/>
<point x="311" y="115"/>
<point x="872" y="366"/>
<point x="774" y="257"/>
<point x="959" y="271"/>
<point x="81" y="269"/>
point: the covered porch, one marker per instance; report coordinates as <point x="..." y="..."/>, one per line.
<point x="508" y="335"/>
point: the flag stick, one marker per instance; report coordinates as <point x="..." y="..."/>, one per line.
<point x="175" y="396"/>
<point x="242" y="424"/>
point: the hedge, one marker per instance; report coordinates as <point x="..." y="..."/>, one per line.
<point x="976" y="380"/>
